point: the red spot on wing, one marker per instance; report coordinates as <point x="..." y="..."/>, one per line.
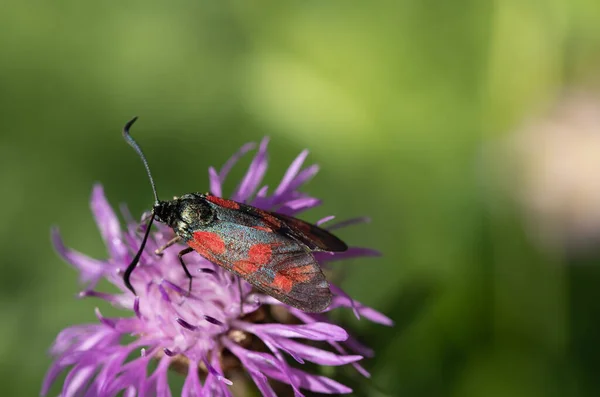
<point x="223" y="202"/>
<point x="282" y="283"/>
<point x="207" y="243"/>
<point x="301" y="274"/>
<point x="258" y="256"/>
<point x="285" y="279"/>
<point x="245" y="267"/>
<point x="260" y="253"/>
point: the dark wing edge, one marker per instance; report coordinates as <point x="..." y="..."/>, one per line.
<point x="311" y="235"/>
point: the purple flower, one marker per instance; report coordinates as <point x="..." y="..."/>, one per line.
<point x="203" y="336"/>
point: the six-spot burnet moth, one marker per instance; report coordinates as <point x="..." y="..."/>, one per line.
<point x="269" y="250"/>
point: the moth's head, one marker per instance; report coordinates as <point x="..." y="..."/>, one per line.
<point x="184" y="213"/>
<point x="165" y="212"/>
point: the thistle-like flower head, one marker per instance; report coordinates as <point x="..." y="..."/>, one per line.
<point x="208" y="335"/>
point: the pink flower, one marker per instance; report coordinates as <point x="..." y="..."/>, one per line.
<point x="203" y="335"/>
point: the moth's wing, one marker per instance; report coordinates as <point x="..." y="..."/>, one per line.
<point x="273" y="263"/>
<point x="312" y="236"/>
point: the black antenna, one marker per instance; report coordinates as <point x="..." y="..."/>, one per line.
<point x="137" y="148"/>
<point x="136" y="259"/>
<point x="134" y="262"/>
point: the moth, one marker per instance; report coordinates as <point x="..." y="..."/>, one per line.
<point x="271" y="251"/>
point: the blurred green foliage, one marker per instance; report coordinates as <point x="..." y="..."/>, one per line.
<point x="394" y="100"/>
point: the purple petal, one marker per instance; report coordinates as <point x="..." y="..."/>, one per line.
<point x="365" y="311"/>
<point x="192" y="386"/>
<point x="162" y="387"/>
<point x="111" y="368"/>
<point x="98" y="384"/>
<point x="131" y="372"/>
<point x="77" y="379"/>
<point x="218" y="388"/>
<point x="358" y="347"/>
<point x="214" y="182"/>
<point x="324" y="220"/>
<point x="86" y="365"/>
<point x="273" y="343"/>
<point x="349" y="222"/>
<point x="146" y="385"/>
<point x="213" y="320"/>
<point x="341" y="293"/>
<point x="136" y="308"/>
<point x="55" y="369"/>
<point x="261" y="381"/>
<point x="82" y="337"/>
<point x="296" y="206"/>
<point x="261" y="200"/>
<point x="255" y="362"/>
<point x="282" y="365"/>
<point x="316" y="355"/>
<point x="291" y="173"/>
<point x="352" y="252"/>
<point x="352" y="343"/>
<point x="234" y="159"/>
<point x="104" y="320"/>
<point x="302" y="203"/>
<point x="185" y="324"/>
<point x="90" y="269"/>
<point x="262" y="192"/>
<point x="314" y="331"/>
<point x="263" y="299"/>
<point x="361" y="370"/>
<point x="304" y="176"/>
<point x="213" y="371"/>
<point x="69" y="359"/>
<point x="254" y="175"/>
<point x="314" y="383"/>
<point x="70" y="336"/>
<point x="163" y="293"/>
<point x="108" y="223"/>
<point x="110" y="298"/>
<point x="257" y="375"/>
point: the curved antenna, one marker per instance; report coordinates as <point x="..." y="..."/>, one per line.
<point x="136" y="259"/>
<point x="137" y="148"/>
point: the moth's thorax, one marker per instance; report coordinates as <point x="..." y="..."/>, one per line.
<point x="185" y="214"/>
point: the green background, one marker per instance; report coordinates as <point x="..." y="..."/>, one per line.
<point x="395" y="101"/>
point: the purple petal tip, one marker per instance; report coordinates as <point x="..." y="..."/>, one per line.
<point x="212" y="320"/>
<point x="185" y="324"/>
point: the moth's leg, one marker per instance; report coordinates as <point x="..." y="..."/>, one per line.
<point x="167" y="245"/>
<point x="187" y="272"/>
<point x="239" y="283"/>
